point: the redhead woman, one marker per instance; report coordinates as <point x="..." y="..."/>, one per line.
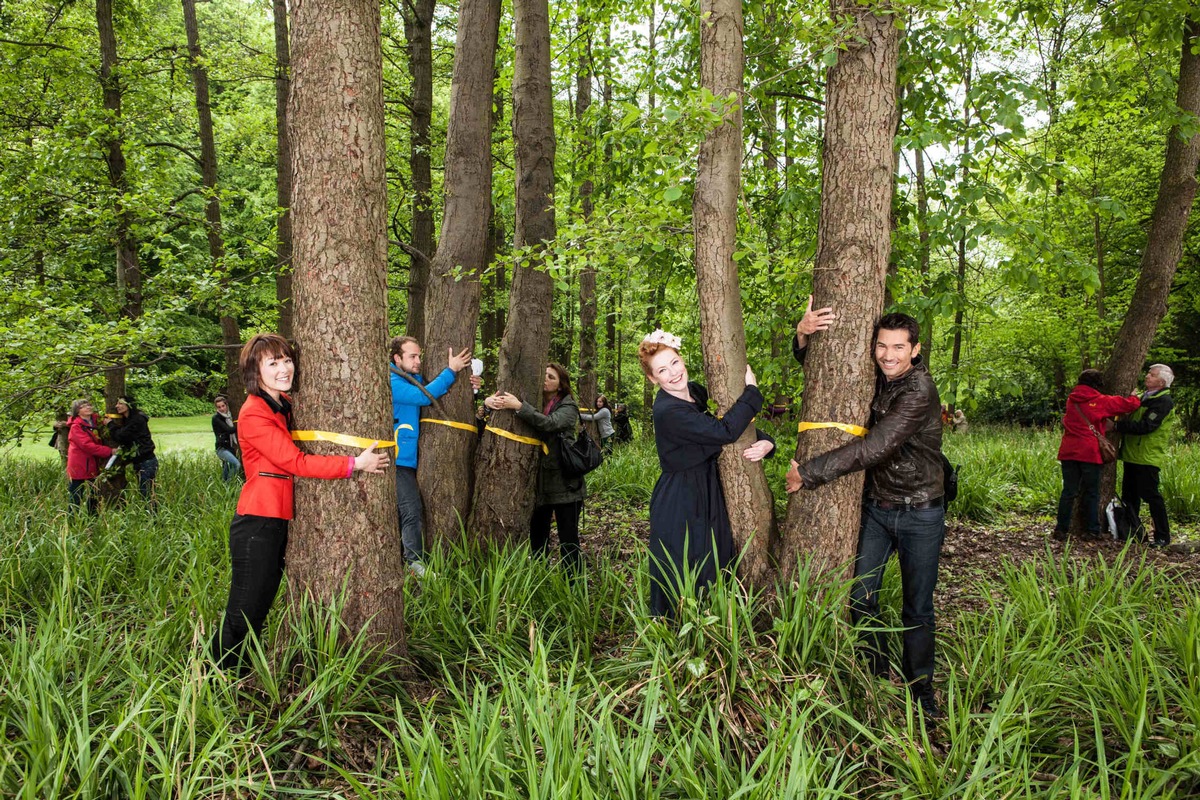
<point x="558" y="497"/>
<point x="689" y="523"/>
<point x="258" y="534"/>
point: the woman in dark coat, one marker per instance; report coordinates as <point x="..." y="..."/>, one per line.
<point x="225" y="431"/>
<point x="132" y="427"/>
<point x="689" y="523"/>
<point x="558" y="496"/>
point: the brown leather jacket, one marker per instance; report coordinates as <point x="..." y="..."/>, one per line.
<point x="902" y="451"/>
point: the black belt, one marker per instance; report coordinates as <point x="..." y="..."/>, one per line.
<point x="888" y="505"/>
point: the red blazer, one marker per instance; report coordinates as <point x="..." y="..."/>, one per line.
<point x="272" y="460"/>
<point x="1078" y="443"/>
<point x="84" y="451"/>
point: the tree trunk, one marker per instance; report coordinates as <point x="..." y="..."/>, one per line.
<point x="923" y="253"/>
<point x="722" y="328"/>
<point x="587" y="277"/>
<point x="507" y="469"/>
<point x="345" y="533"/>
<point x="418" y="32"/>
<point x="231" y="336"/>
<point x="853" y="243"/>
<point x="128" y="268"/>
<point x="445" y="469"/>
<point x="283" y="171"/>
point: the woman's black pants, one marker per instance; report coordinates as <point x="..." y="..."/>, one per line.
<point x="256" y="551"/>
<point x="567" y="515"/>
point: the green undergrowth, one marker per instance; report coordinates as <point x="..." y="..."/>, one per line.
<point x="521" y="682"/>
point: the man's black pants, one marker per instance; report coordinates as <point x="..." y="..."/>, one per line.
<point x="256" y="549"/>
<point x="1141" y="483"/>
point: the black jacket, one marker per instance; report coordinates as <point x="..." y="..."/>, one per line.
<point x="133" y="430"/>
<point x="1154" y="410"/>
<point x="902" y="451"/>
<point x="224" y="431"/>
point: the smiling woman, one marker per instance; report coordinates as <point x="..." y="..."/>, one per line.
<point x="259" y="531"/>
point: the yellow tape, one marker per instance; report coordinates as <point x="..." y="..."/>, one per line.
<point x="521" y="439"/>
<point x="340" y="438"/>
<point x="451" y="423"/>
<point x="854" y="430"/>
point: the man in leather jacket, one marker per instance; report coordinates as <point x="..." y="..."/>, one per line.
<point x="903" y="511"/>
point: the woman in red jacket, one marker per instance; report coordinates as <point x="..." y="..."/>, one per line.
<point x="85" y="454"/>
<point x="1079" y="452"/>
<point x="259" y="531"/>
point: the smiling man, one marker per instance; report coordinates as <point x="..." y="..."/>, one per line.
<point x="903" y="512"/>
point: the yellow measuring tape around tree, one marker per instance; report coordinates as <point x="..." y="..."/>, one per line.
<point x="855" y="430"/>
<point x="465" y="426"/>
<point x="521" y="439"/>
<point x="341" y="438"/>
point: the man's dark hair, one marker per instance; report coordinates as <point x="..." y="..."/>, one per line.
<point x="397" y="346"/>
<point x="899" y="322"/>
<point x="1093" y="378"/>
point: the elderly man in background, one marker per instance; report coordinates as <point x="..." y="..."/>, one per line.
<point x="1146" y="433"/>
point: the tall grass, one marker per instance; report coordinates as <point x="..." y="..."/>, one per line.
<point x="1078" y="680"/>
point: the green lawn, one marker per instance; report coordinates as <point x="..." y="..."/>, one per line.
<point x="171" y="435"/>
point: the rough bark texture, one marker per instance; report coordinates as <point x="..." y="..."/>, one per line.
<point x="283" y="171"/>
<point x="722" y="329"/>
<point x="587" y="277"/>
<point x="345" y="533"/>
<point x="128" y="268"/>
<point x="231" y="335"/>
<point x="418" y="32"/>
<point x="853" y="244"/>
<point x="447" y="454"/>
<point x="507" y="469"/>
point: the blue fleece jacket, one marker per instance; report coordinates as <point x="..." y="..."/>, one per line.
<point x="406" y="411"/>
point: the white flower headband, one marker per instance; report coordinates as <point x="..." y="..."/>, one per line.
<point x="662" y="337"/>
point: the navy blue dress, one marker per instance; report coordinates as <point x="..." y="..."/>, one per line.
<point x="688" y="502"/>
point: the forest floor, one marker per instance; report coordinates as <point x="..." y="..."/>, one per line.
<point x="974" y="556"/>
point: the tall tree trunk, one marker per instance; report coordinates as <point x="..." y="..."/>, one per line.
<point x="507" y="469"/>
<point x="587" y="277"/>
<point x="231" y="335"/>
<point x="722" y="328"/>
<point x="283" y="171"/>
<point x="923" y="252"/>
<point x="445" y="469"/>
<point x="128" y="268"/>
<point x="658" y="296"/>
<point x="961" y="276"/>
<point x="345" y="533"/>
<point x="610" y="343"/>
<point x="418" y="32"/>
<point x="853" y="243"/>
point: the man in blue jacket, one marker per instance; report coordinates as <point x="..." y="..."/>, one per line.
<point x="408" y="397"/>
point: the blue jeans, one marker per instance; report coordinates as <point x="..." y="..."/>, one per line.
<point x="408" y="504"/>
<point x="146" y="472"/>
<point x="1077" y="474"/>
<point x="81" y="491"/>
<point x="230" y="466"/>
<point x="916" y="536"/>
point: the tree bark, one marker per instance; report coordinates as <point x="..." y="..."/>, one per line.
<point x="345" y="533"/>
<point x="445" y="470"/>
<point x="418" y="32"/>
<point x="128" y="267"/>
<point x="923" y="252"/>
<point x="587" y="277"/>
<point x="283" y="171"/>
<point x="853" y="243"/>
<point x="231" y="335"/>
<point x="507" y="469"/>
<point x="722" y="328"/>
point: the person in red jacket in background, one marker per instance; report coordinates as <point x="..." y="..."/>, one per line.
<point x="259" y="532"/>
<point x="85" y="454"/>
<point x="1079" y="452"/>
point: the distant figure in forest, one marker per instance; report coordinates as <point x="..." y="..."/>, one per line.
<point x="1079" y="453"/>
<point x="131" y="427"/>
<point x="258" y="535"/>
<point x="903" y="509"/>
<point x="559" y="498"/>
<point x="1146" y="434"/>
<point x="603" y="417"/>
<point x="60" y="439"/>
<point x="689" y="522"/>
<point x="622" y="430"/>
<point x="225" y="432"/>
<point x="410" y="394"/>
<point x="85" y="454"/>
<point x="959" y="421"/>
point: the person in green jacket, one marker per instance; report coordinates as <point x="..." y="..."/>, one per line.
<point x="1144" y="450"/>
